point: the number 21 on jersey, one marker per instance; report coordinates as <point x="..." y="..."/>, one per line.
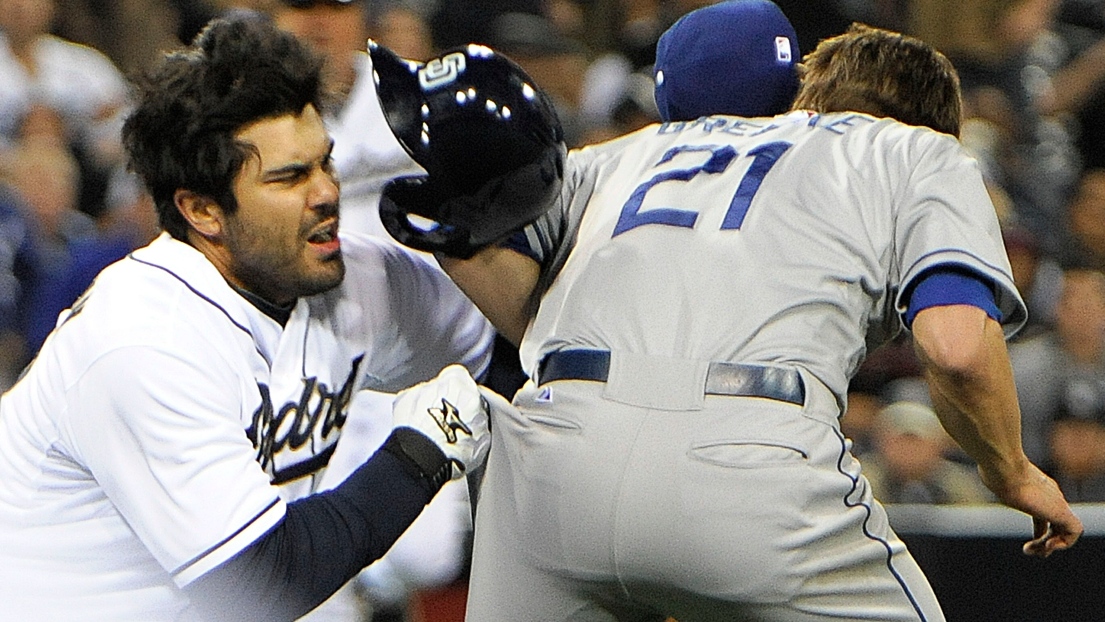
<point x="720" y="157"/>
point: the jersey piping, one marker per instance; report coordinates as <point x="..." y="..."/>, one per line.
<point x="205" y="298"/>
<point x="195" y="559"/>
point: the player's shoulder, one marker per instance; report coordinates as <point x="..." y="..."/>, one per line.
<point x="387" y="286"/>
<point x="159" y="290"/>
<point x="611" y="147"/>
<point x="873" y="143"/>
<point x="367" y="250"/>
<point x="374" y="263"/>
<point x="601" y="153"/>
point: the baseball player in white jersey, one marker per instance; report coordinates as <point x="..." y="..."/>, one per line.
<point x="158" y="459"/>
<point x="705" y="289"/>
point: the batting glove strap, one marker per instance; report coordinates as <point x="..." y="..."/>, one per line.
<point x="424" y="458"/>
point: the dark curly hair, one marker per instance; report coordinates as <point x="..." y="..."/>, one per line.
<point x="885" y="74"/>
<point x="190" y="105"/>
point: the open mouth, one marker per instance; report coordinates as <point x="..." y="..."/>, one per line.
<point x="326" y="236"/>
<point x="322" y="237"/>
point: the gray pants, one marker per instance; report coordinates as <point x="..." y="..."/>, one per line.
<point x="595" y="509"/>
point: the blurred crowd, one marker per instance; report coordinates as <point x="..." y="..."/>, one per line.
<point x="1033" y="74"/>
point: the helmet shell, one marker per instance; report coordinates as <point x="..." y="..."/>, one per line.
<point x="487" y="136"/>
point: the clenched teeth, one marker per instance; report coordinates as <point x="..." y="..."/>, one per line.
<point x="323" y="236"/>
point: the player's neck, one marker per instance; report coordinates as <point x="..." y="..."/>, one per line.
<point x="280" y="313"/>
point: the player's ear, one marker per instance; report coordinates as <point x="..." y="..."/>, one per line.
<point x="201" y="211"/>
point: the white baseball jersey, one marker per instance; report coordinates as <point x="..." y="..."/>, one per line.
<point x="646" y="277"/>
<point x="366" y="154"/>
<point x="167" y="420"/>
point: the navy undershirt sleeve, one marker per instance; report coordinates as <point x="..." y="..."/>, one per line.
<point x="323" y="541"/>
<point x="946" y="285"/>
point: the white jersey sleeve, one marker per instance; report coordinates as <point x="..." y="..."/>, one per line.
<point x="933" y="226"/>
<point x="173" y="461"/>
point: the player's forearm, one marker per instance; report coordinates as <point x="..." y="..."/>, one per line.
<point x="500" y="282"/>
<point x="971" y="384"/>
<point x="323" y="541"/>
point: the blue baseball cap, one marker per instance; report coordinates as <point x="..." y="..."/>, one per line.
<point x="735" y="57"/>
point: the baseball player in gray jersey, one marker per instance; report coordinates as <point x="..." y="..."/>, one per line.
<point x="161" y="457"/>
<point x="704" y="290"/>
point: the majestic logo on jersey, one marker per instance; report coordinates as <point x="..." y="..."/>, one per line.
<point x="545" y="396"/>
<point x="448" y="419"/>
<point x="312" y="418"/>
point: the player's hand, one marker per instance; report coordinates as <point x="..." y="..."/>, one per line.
<point x="450" y="411"/>
<point x="1054" y="525"/>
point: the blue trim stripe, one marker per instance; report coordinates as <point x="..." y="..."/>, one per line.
<point x="204" y="297"/>
<point x="188" y="564"/>
<point x="948" y="284"/>
<point x="867" y="532"/>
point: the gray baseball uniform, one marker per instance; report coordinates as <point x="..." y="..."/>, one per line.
<point x="722" y="279"/>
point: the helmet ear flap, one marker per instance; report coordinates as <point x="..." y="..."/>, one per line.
<point x="406" y="205"/>
<point x="429" y="214"/>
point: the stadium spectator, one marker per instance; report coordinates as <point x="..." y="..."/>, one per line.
<point x="553" y="60"/>
<point x="70" y="248"/>
<point x="1077" y="87"/>
<point x="1002" y="51"/>
<point x="77" y="81"/>
<point x="1078" y="442"/>
<point x="1037" y="275"/>
<point x="404" y="28"/>
<point x="458" y="22"/>
<point x="1055" y="366"/>
<point x="909" y="462"/>
<point x="1086" y="220"/>
<point x="858" y="421"/>
<point x="18" y="267"/>
<point x="129" y="32"/>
